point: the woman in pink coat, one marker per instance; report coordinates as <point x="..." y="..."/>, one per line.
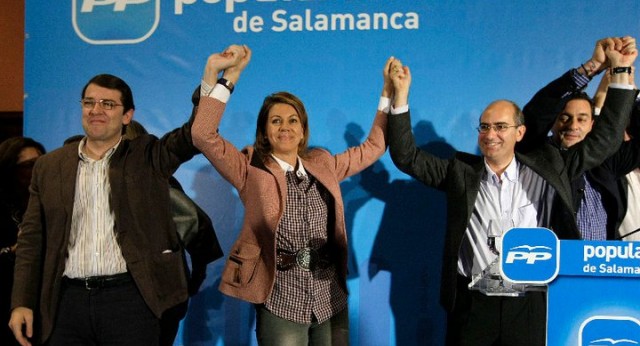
<point x="290" y="258"/>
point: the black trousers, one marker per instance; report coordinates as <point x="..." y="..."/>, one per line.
<point x="104" y="316"/>
<point x="170" y="323"/>
<point x="480" y="320"/>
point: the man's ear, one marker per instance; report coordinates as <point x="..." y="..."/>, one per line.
<point x="127" y="117"/>
<point x="520" y="131"/>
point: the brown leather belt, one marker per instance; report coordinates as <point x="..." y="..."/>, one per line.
<point x="307" y="259"/>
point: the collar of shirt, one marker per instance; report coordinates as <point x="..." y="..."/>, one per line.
<point x="301" y="172"/>
<point x="86" y="158"/>
<point x="510" y="174"/>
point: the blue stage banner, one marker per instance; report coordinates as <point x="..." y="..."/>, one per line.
<point x="591" y="285"/>
<point x="462" y="54"/>
<point x="598" y="280"/>
<point x="593" y="311"/>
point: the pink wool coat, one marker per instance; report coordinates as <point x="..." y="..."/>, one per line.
<point x="250" y="267"/>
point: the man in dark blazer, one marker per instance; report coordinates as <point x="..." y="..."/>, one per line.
<point x="472" y="182"/>
<point x="98" y="254"/>
<point x="562" y="108"/>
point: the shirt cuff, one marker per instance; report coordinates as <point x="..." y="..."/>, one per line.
<point x="580" y="81"/>
<point x="621" y="86"/>
<point x="383" y="104"/>
<point x="218" y="91"/>
<point x="399" y="110"/>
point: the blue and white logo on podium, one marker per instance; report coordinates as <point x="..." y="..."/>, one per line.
<point x="610" y="330"/>
<point x="530" y="255"/>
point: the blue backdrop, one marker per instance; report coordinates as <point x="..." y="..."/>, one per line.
<point x="463" y="54"/>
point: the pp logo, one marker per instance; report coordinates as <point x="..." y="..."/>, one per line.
<point x="115" y="21"/>
<point x="609" y="330"/>
<point x="530" y="255"/>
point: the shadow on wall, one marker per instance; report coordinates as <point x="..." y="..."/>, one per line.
<point x="408" y="242"/>
<point x="213" y="317"/>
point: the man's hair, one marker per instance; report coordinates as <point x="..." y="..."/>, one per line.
<point x="262" y="145"/>
<point x="518" y="116"/>
<point x="112" y="82"/>
<point x="578" y="95"/>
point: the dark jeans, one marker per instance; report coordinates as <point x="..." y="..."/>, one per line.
<point x="480" y="320"/>
<point x="104" y="316"/>
<point x="272" y="330"/>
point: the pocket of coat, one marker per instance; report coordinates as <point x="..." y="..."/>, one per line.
<point x="168" y="273"/>
<point x="241" y="264"/>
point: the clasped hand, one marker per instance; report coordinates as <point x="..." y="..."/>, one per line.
<point x="232" y="60"/>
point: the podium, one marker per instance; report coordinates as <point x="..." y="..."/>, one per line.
<point x="593" y="287"/>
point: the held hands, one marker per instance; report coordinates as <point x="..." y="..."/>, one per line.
<point x="233" y="72"/>
<point x="598" y="61"/>
<point x="22" y="317"/>
<point x="234" y="57"/>
<point x="622" y="52"/>
<point x="601" y="57"/>
<point x="387" y="87"/>
<point x="401" y="79"/>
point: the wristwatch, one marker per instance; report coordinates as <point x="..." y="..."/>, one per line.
<point x="625" y="69"/>
<point x="227" y="84"/>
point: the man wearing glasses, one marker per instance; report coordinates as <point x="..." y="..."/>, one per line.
<point x="512" y="189"/>
<point x="99" y="260"/>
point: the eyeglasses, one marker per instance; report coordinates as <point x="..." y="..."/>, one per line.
<point x="499" y="128"/>
<point x="104" y="104"/>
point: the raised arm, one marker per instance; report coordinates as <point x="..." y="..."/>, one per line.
<point x="357" y="158"/>
<point x="425" y="167"/>
<point x="627" y="158"/>
<point x="541" y="111"/>
<point x="214" y="93"/>
<point x="178" y="146"/>
<point x="606" y="136"/>
<point x="601" y="92"/>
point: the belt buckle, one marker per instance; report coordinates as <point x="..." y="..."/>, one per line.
<point x="91" y="283"/>
<point x="306" y="258"/>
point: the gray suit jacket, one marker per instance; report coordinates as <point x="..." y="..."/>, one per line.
<point x="460" y="176"/>
<point x="138" y="174"/>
